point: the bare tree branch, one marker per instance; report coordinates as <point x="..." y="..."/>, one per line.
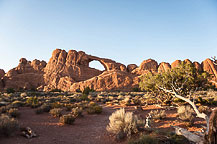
<point x="200" y="115"/>
<point x="214" y="60"/>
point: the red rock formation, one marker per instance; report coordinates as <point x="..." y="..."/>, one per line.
<point x="2" y="73"/>
<point x="108" y="80"/>
<point x="70" y="71"/>
<point x="64" y="69"/>
<point x="131" y="67"/>
<point x="187" y="61"/>
<point x="146" y="66"/>
<point x="176" y="63"/>
<point x="27" y="75"/>
<point x="197" y="66"/>
<point x="164" y="67"/>
<point x="210" y="67"/>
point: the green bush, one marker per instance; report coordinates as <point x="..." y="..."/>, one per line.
<point x="158" y="114"/>
<point x="13" y="112"/>
<point x="136" y="89"/>
<point x="84" y="97"/>
<point x="39" y="110"/>
<point x="32" y="101"/>
<point x="56" y="90"/>
<point x="56" y="112"/>
<point x="77" y="112"/>
<point x="145" y="139"/>
<point x="87" y="90"/>
<point x="8" y="125"/>
<point x="94" y="109"/>
<point x="10" y="90"/>
<point x="67" y="119"/>
<point x="17" y="103"/>
<point x="43" y="108"/>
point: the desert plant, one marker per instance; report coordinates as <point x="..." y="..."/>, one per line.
<point x="17" y="103"/>
<point x="39" y="110"/>
<point x="94" y="109"/>
<point x="87" y="90"/>
<point x="204" y="109"/>
<point x="186" y="114"/>
<point x="56" y="90"/>
<point x="145" y="139"/>
<point x="67" y="119"/>
<point x="124" y="123"/>
<point x="77" y="112"/>
<point x="13" y="112"/>
<point x="10" y="90"/>
<point x="32" y="101"/>
<point x="56" y="112"/>
<point x="8" y="125"/>
<point x="24" y="94"/>
<point x="136" y="89"/>
<point x="43" y="108"/>
<point x="158" y="114"/>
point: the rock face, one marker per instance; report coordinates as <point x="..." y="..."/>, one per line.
<point x="2" y="73"/>
<point x="64" y="69"/>
<point x="211" y="68"/>
<point x="146" y="66"/>
<point x="164" y="67"/>
<point x="70" y="71"/>
<point x="27" y="75"/>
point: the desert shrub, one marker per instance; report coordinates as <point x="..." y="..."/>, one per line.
<point x="158" y="114"/>
<point x="8" y="125"/>
<point x="124" y="123"/>
<point x="24" y="94"/>
<point x="43" y="108"/>
<point x="32" y="101"/>
<point x="204" y="109"/>
<point x="39" y="110"/>
<point x="56" y="112"/>
<point x="56" y="105"/>
<point x="17" y="103"/>
<point x="136" y="89"/>
<point x="56" y="90"/>
<point x="10" y="90"/>
<point x="13" y="112"/>
<point x="186" y="114"/>
<point x="84" y="97"/>
<point x="145" y="139"/>
<point x="87" y="90"/>
<point x="3" y="109"/>
<point x="94" y="109"/>
<point x="67" y="119"/>
<point x="78" y="90"/>
<point x="77" y="112"/>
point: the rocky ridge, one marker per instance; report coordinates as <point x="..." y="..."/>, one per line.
<point x="70" y="71"/>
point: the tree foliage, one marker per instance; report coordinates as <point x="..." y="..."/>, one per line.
<point x="183" y="80"/>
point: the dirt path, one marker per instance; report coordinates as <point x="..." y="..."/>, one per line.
<point x="90" y="129"/>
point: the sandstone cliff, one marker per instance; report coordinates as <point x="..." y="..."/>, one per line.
<point x="70" y="71"/>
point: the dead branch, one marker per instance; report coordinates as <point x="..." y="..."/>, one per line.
<point x="214" y="60"/>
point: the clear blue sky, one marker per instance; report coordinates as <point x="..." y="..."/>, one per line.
<point x="127" y="31"/>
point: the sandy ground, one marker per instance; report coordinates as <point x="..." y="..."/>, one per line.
<point x="90" y="129"/>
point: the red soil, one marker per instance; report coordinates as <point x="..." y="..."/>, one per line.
<point x="90" y="129"/>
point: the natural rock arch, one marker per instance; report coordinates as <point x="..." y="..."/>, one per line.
<point x="97" y="63"/>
